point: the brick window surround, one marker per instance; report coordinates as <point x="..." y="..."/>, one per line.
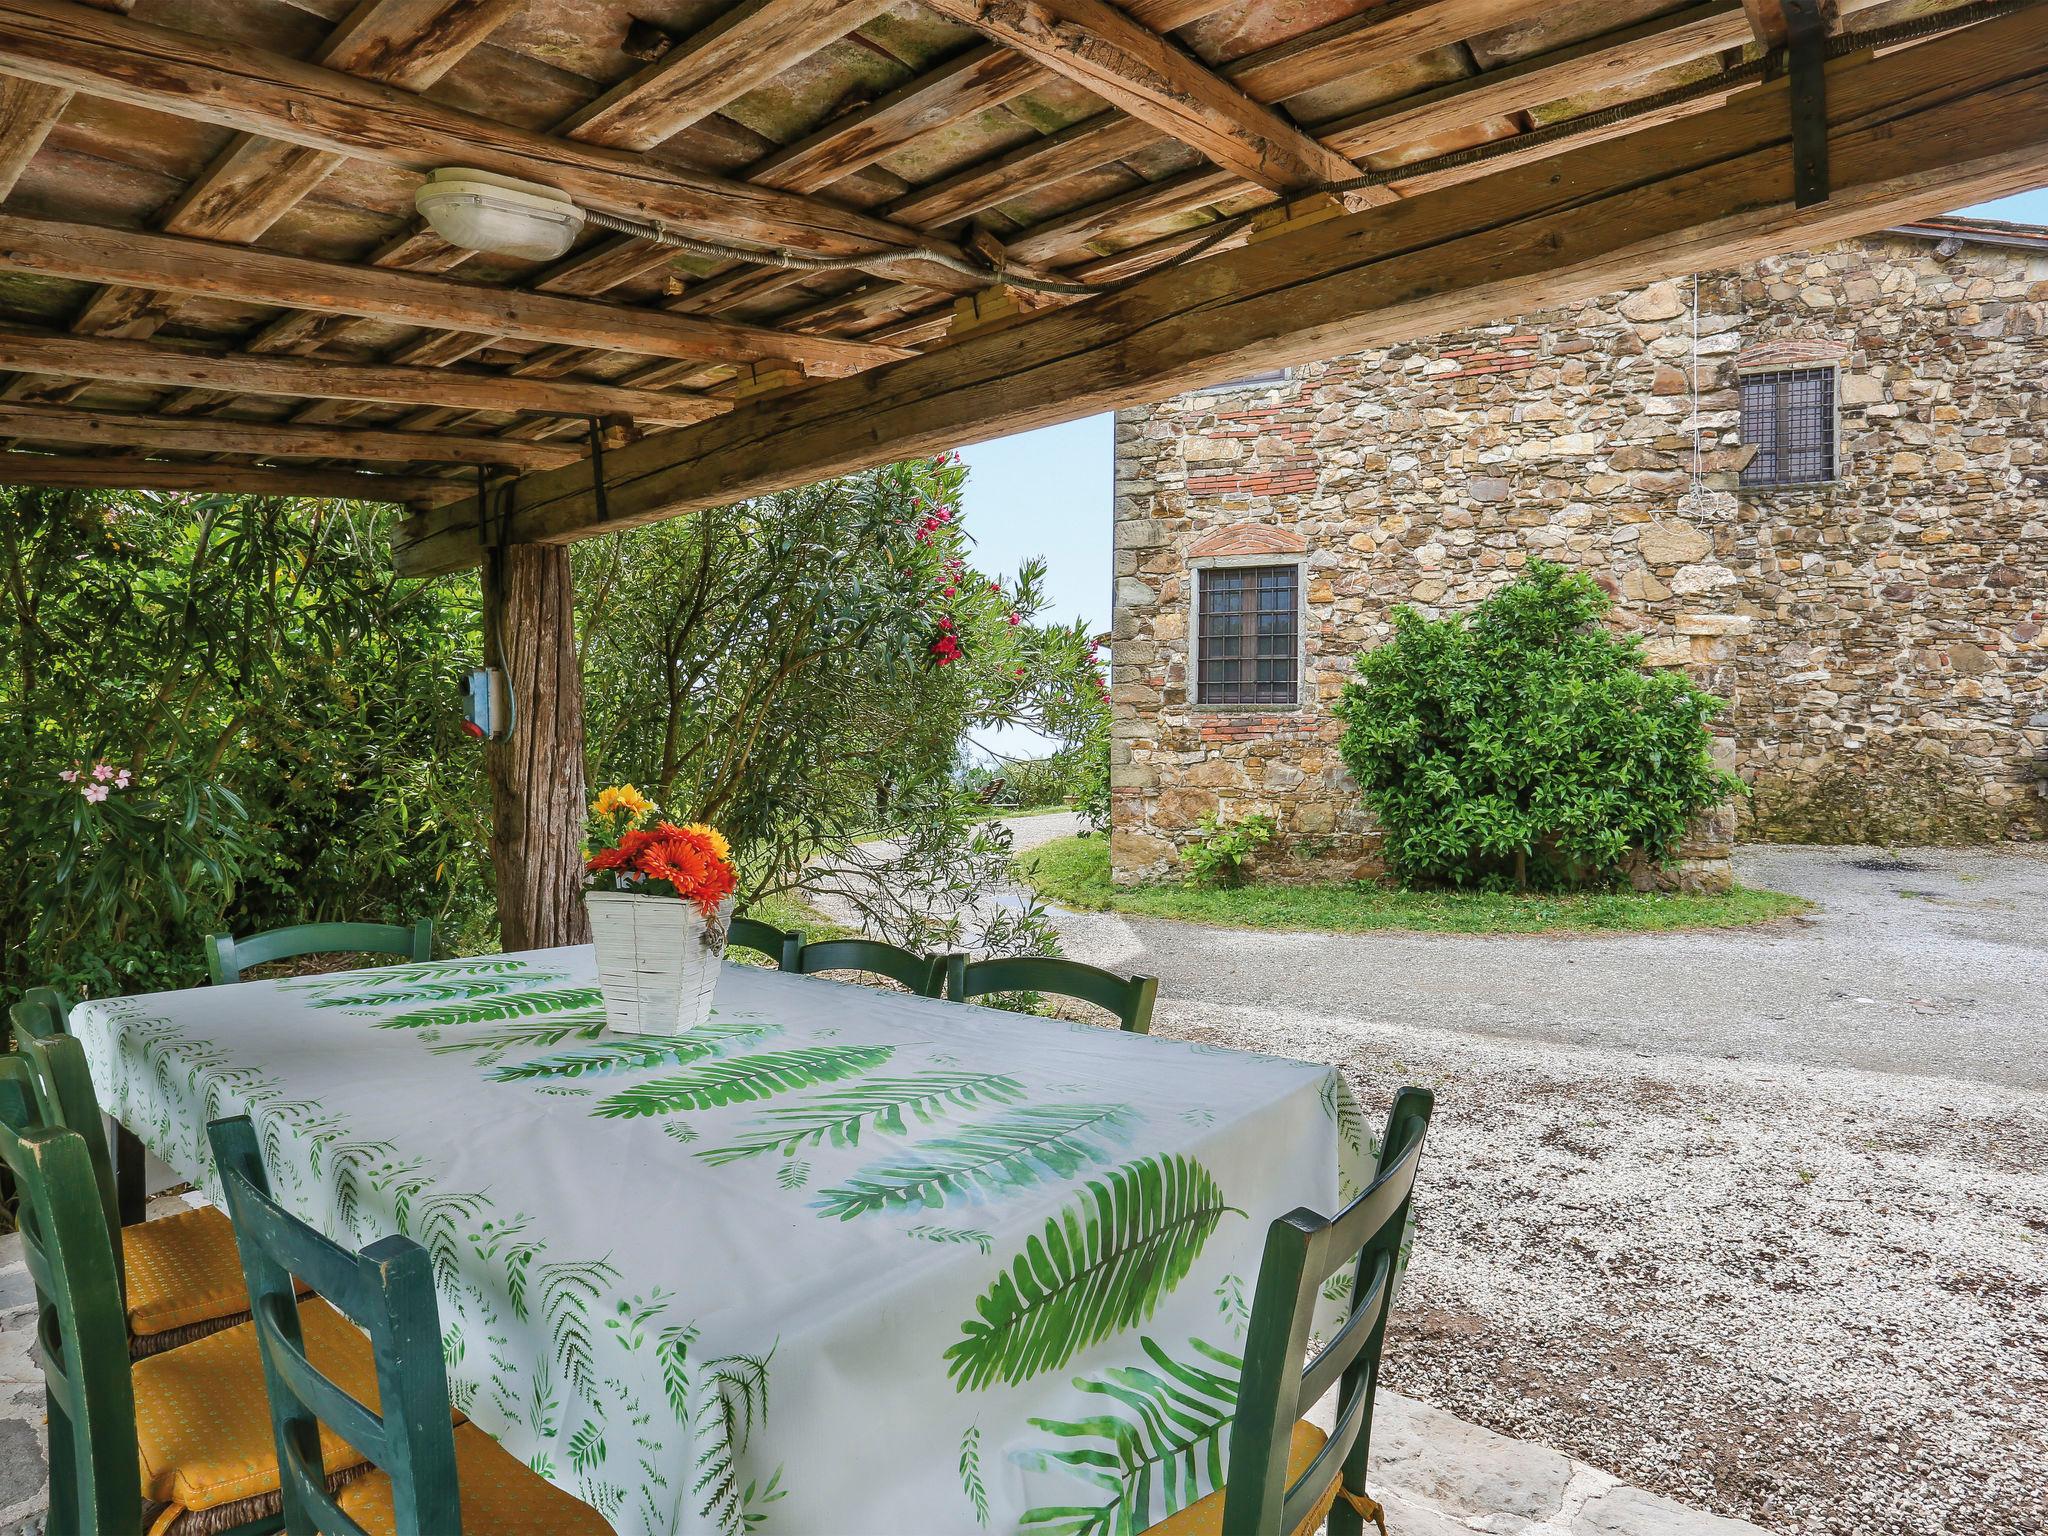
<point x="1247" y="621"/>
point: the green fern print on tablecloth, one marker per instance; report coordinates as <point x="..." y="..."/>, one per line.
<point x="1101" y="1265"/>
<point x="743" y="1078"/>
<point x="987" y="1160"/>
<point x="1156" y="1444"/>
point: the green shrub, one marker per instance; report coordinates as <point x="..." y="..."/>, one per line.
<point x="1524" y="744"/>
<point x="1091" y="778"/>
<point x="1223" y="855"/>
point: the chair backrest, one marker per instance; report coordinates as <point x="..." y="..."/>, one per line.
<point x="752" y="933"/>
<point x="64" y="1098"/>
<point x="387" y="1290"/>
<point x="227" y="956"/>
<point x="32" y="1019"/>
<point x="80" y="1325"/>
<point x="1303" y="1251"/>
<point x="1129" y="998"/>
<point x="923" y="974"/>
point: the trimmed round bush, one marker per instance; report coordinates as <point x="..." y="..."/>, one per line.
<point x="1524" y="744"/>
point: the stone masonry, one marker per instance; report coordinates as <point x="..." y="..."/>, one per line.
<point x="1878" y="639"/>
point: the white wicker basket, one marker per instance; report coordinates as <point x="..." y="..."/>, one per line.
<point x="657" y="960"/>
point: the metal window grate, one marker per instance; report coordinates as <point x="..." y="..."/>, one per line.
<point x="1247" y="650"/>
<point x="1789" y="413"/>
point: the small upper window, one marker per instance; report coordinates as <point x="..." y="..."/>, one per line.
<point x="1249" y="640"/>
<point x="1789" y="413"/>
<point x="1249" y="381"/>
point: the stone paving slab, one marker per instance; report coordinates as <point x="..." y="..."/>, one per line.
<point x="1436" y="1474"/>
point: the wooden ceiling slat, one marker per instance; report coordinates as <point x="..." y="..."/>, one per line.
<point x="64" y="43"/>
<point x="1140" y="72"/>
<point x="1955" y="119"/>
<point x="28" y="111"/>
<point x="745" y="48"/>
<point x="977" y="80"/>
<point x="259" y="276"/>
<point x="141" y="362"/>
<point x="111" y="473"/>
<point x="122" y="430"/>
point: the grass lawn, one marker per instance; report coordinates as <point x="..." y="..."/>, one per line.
<point x="1074" y="872"/>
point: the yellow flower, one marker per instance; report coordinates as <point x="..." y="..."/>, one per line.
<point x="715" y="837"/>
<point x="621" y="797"/>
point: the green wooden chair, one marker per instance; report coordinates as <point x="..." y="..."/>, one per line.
<point x="752" y="933"/>
<point x="193" y="1423"/>
<point x="1284" y="1473"/>
<point x="923" y="974"/>
<point x="431" y="1480"/>
<point x="41" y="1014"/>
<point x="227" y="956"/>
<point x="1129" y="998"/>
<point x="181" y="1277"/>
<point x="84" y="1349"/>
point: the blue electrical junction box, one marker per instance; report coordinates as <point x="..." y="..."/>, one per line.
<point x="484" y="714"/>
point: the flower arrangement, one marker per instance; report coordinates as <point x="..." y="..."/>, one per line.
<point x="633" y="848"/>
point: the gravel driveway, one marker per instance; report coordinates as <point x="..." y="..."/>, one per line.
<point x="1758" y="1220"/>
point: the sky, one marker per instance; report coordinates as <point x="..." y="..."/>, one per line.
<point x="1048" y="493"/>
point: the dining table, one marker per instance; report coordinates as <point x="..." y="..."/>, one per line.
<point x="839" y="1260"/>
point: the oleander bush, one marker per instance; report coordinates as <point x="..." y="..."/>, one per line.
<point x="1525" y="744"/>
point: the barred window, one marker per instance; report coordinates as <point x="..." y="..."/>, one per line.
<point x="1789" y="413"/>
<point x="1249" y="636"/>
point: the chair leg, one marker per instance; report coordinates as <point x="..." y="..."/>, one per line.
<point x="130" y="1182"/>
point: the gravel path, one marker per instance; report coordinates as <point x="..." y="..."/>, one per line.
<point x="1756" y="1220"/>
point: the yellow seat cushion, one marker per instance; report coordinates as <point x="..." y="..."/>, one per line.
<point x="1204" y="1517"/>
<point x="182" y="1270"/>
<point x="501" y="1496"/>
<point x="202" y="1416"/>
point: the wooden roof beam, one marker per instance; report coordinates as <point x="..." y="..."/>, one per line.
<point x="1957" y="119"/>
<point x="140" y="362"/>
<point x="1771" y="26"/>
<point x="259" y="276"/>
<point x="124" y="431"/>
<point x="64" y="43"/>
<point x="106" y="473"/>
<point x="746" y="47"/>
<point x="1135" y="69"/>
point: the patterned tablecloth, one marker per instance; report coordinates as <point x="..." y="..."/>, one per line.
<point x="842" y="1261"/>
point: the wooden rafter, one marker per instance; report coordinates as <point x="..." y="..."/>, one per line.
<point x="254" y="182"/>
<point x="1955" y="119"/>
<point x="122" y="474"/>
<point x="61" y="42"/>
<point x="128" y="431"/>
<point x="1137" y="70"/>
<point x="413" y="298"/>
<point x="746" y="47"/>
<point x="139" y="362"/>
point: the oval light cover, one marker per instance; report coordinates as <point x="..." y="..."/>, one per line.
<point x="480" y="211"/>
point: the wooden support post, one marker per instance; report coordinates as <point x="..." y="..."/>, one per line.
<point x="536" y="772"/>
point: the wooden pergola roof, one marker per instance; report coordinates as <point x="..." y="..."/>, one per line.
<point x="889" y="227"/>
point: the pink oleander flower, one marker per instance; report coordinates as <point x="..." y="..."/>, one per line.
<point x="102" y="772"/>
<point x="1016" y="618"/>
<point x="69" y="775"/>
<point x="122" y="779"/>
<point x="95" y="793"/>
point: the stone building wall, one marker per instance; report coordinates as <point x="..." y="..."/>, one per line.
<point x="1879" y="639"/>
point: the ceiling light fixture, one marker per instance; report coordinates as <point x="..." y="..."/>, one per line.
<point x="480" y="211"/>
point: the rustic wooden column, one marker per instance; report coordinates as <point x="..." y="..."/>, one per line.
<point x="536" y="774"/>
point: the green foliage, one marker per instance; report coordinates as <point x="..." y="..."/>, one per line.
<point x="1222" y="855"/>
<point x="1074" y="872"/>
<point x="1101" y="1265"/>
<point x="271" y="707"/>
<point x="1091" y="778"/>
<point x="1525" y="745"/>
